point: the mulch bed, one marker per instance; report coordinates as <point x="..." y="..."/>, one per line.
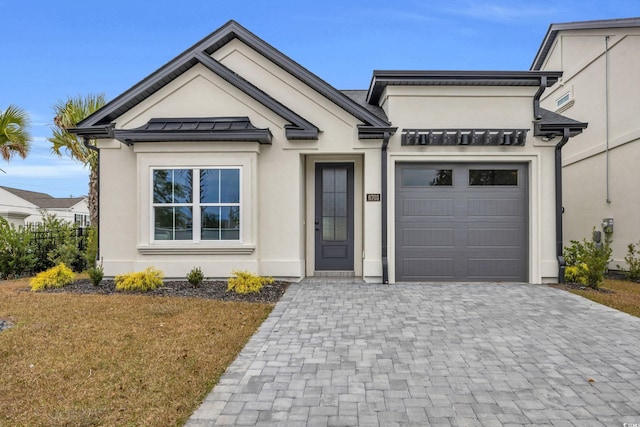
<point x="208" y="289"/>
<point x="575" y="286"/>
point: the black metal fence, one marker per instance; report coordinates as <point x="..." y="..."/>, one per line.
<point x="44" y="241"/>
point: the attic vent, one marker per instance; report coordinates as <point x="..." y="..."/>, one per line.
<point x="464" y="137"/>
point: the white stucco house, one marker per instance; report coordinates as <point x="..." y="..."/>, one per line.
<point x="233" y="156"/>
<point x="600" y="61"/>
<point x="23" y="207"/>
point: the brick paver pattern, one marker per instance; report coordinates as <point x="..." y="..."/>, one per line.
<point x="343" y="353"/>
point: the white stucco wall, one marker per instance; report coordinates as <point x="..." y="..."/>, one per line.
<point x="609" y="100"/>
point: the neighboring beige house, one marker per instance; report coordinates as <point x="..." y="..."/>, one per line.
<point x="600" y="61"/>
<point x="233" y="156"/>
<point x="22" y="207"/>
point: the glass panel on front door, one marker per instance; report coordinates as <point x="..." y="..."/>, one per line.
<point x="334" y="204"/>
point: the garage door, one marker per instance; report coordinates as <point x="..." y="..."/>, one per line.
<point x="461" y="222"/>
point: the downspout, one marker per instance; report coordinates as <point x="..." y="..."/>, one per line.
<point x="536" y="98"/>
<point x="383" y="163"/>
<point x="606" y="109"/>
<point x="558" y="166"/>
<point x="85" y="141"/>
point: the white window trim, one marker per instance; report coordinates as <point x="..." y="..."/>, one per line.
<point x="195" y="206"/>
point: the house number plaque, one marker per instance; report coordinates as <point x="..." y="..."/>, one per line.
<point x="375" y="197"/>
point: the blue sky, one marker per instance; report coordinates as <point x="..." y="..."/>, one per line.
<point x="52" y="50"/>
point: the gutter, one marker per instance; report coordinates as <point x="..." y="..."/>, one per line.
<point x="559" y="209"/>
<point x="383" y="165"/>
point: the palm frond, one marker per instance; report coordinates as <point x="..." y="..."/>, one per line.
<point x="14" y="135"/>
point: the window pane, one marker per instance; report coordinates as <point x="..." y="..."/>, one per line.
<point x="183" y="223"/>
<point x="328" y="204"/>
<point x="493" y="177"/>
<point x="328" y="180"/>
<point x="341" y="180"/>
<point x="210" y="220"/>
<point x="210" y="186"/>
<point x="229" y="186"/>
<point x="341" y="228"/>
<point x="421" y="177"/>
<point x="328" y="228"/>
<point x="172" y="186"/>
<point x="230" y="222"/>
<point x="340" y="204"/>
<point x="173" y="223"/>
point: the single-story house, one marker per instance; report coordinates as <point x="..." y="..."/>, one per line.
<point x="233" y="156"/>
<point x="600" y="61"/>
<point x="24" y="207"/>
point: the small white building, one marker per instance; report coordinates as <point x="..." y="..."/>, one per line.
<point x="23" y="207"/>
<point x="233" y="156"/>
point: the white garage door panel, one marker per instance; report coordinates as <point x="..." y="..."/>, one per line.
<point x="461" y="228"/>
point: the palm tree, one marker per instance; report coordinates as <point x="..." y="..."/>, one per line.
<point x="68" y="114"/>
<point x="14" y="136"/>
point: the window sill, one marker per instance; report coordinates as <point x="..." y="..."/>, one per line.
<point x="196" y="250"/>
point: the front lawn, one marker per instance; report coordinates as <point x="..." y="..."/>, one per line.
<point x="114" y="360"/>
<point x="625" y="295"/>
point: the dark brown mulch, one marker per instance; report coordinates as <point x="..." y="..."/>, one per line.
<point x="569" y="286"/>
<point x="208" y="289"/>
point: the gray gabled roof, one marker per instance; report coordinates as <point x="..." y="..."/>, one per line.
<point x="43" y="200"/>
<point x="195" y="129"/>
<point x="553" y="124"/>
<point x="199" y="53"/>
<point x="383" y="78"/>
<point x="554" y="29"/>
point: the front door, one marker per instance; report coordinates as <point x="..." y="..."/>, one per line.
<point x="334" y="231"/>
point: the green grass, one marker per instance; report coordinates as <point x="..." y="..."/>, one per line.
<point x="114" y="360"/>
<point x="625" y="296"/>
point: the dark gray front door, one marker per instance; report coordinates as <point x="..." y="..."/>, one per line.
<point x="334" y="216"/>
<point x="461" y="222"/>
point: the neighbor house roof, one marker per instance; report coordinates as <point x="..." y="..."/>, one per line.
<point x="554" y="29"/>
<point x="43" y="200"/>
<point x="97" y="124"/>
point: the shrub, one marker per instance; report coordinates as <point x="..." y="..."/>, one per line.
<point x="245" y="282"/>
<point x="55" y="277"/>
<point x="195" y="277"/>
<point x="633" y="262"/>
<point x="147" y="280"/>
<point x="91" y="253"/>
<point x="55" y="241"/>
<point x="572" y="275"/>
<point x="96" y="274"/>
<point x="591" y="261"/>
<point x="16" y="254"/>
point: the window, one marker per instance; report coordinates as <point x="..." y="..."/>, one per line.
<point x="196" y="204"/>
<point x="421" y="177"/>
<point x="81" y="220"/>
<point x="563" y="99"/>
<point x="493" y="177"/>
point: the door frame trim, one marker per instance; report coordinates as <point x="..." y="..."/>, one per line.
<point x="358" y="211"/>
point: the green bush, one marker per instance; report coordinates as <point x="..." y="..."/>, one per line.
<point x="147" y="280"/>
<point x="96" y="274"/>
<point x="245" y="282"/>
<point x="55" y="277"/>
<point x="195" y="277"/>
<point x="633" y="262"/>
<point x="590" y="260"/>
<point x="16" y="253"/>
<point x="572" y="275"/>
<point x="55" y="241"/>
<point x="91" y="252"/>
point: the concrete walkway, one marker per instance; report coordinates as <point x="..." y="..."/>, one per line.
<point x="343" y="353"/>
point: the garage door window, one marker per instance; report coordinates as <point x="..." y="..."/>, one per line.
<point x="507" y="177"/>
<point x="420" y="177"/>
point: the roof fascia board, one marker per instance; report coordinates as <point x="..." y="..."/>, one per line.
<point x="554" y="29"/>
<point x="383" y="78"/>
<point x="129" y="137"/>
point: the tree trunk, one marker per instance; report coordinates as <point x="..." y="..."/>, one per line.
<point x="93" y="195"/>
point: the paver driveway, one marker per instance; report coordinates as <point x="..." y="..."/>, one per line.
<point x="337" y="353"/>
